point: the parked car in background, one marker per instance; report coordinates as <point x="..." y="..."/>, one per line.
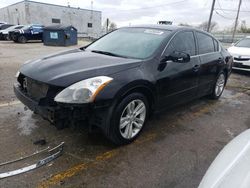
<point x="241" y="53"/>
<point x="231" y="168"/>
<point x="4" y="34"/>
<point x="1" y="23"/>
<point x="29" y="32"/>
<point x="116" y="82"/>
<point x="5" y="26"/>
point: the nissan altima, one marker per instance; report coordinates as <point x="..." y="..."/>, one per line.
<point x="116" y="82"/>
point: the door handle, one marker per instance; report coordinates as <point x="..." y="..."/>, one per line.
<point x="196" y="68"/>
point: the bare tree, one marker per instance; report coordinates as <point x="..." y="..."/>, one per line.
<point x="185" y="24"/>
<point x="203" y="26"/>
<point x="109" y="26"/>
<point x="243" y="27"/>
<point x="112" y="26"/>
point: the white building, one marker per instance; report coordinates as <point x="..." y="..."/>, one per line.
<point x="87" y="22"/>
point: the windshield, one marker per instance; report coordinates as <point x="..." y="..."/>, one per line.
<point x="244" y="43"/>
<point x="139" y="43"/>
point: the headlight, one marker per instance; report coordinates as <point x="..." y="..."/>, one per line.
<point x="17" y="74"/>
<point x="84" y="91"/>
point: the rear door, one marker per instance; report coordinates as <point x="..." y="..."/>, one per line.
<point x="178" y="82"/>
<point x="210" y="59"/>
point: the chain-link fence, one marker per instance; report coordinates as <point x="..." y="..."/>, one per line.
<point x="228" y="37"/>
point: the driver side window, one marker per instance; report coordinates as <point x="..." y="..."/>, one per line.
<point x="182" y="42"/>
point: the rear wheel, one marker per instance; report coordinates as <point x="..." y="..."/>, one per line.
<point x="22" y="39"/>
<point x="128" y="119"/>
<point x="219" y="86"/>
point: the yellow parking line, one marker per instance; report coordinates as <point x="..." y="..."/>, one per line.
<point x="9" y="103"/>
<point x="54" y="180"/>
<point x="57" y="178"/>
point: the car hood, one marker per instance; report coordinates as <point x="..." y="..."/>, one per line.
<point x="231" y="167"/>
<point x="65" y="68"/>
<point x="236" y="51"/>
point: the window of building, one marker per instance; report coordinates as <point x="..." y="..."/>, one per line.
<point x="205" y="43"/>
<point x="55" y="20"/>
<point x="90" y="25"/>
<point x="183" y="42"/>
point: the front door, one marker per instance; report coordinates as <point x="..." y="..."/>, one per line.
<point x="178" y="82"/>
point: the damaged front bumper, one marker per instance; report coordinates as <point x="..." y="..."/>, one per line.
<point x="53" y="113"/>
<point x="62" y="115"/>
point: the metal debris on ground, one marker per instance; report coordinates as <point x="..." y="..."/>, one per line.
<point x="57" y="151"/>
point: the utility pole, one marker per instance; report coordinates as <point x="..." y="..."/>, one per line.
<point x="236" y="20"/>
<point x="210" y="16"/>
<point x="107" y="26"/>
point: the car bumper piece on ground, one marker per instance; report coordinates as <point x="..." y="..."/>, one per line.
<point x="57" y="152"/>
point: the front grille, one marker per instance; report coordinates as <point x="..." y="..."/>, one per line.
<point x="241" y="59"/>
<point x="240" y="65"/>
<point x="34" y="89"/>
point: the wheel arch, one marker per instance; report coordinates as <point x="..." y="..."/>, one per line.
<point x="142" y="87"/>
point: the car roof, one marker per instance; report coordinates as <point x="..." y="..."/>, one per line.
<point x="13" y="27"/>
<point x="168" y="27"/>
<point x="158" y="26"/>
<point x="164" y="27"/>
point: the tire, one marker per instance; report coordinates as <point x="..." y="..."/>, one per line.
<point x="7" y="38"/>
<point x="22" y="39"/>
<point x="134" y="122"/>
<point x="219" y="86"/>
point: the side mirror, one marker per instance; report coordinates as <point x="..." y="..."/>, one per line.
<point x="178" y="57"/>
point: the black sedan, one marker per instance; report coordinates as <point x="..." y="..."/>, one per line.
<point x="116" y="82"/>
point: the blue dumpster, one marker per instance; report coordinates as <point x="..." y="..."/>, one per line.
<point x="60" y="35"/>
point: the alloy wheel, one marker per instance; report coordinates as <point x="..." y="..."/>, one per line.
<point x="220" y="84"/>
<point x="132" y="119"/>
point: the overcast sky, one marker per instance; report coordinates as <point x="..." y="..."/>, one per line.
<point x="125" y="12"/>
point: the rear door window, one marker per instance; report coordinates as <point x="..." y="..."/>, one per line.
<point x="183" y="42"/>
<point x="205" y="43"/>
<point x="216" y="46"/>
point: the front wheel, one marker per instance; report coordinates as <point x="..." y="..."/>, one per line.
<point x="128" y="119"/>
<point x="7" y="37"/>
<point x="219" y="86"/>
<point x="22" y="39"/>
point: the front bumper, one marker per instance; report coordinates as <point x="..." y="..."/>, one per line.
<point x="62" y="115"/>
<point x="56" y="113"/>
<point x="241" y="65"/>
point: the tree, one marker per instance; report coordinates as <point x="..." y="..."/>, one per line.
<point x="185" y="24"/>
<point x="109" y="26"/>
<point x="243" y="27"/>
<point x="203" y="26"/>
<point x="112" y="26"/>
